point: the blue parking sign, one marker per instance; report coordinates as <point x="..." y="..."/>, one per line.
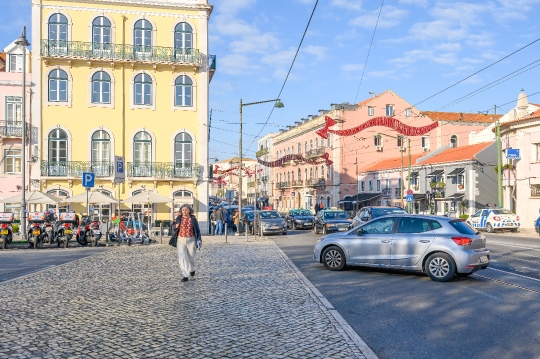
<point x="88" y="179"/>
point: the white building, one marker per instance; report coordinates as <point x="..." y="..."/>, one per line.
<point x="265" y="147"/>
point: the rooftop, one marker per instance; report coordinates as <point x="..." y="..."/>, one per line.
<point x="391" y="163"/>
<point x="462" y="153"/>
<point x="461" y="116"/>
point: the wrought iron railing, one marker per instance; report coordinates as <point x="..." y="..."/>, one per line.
<point x="212" y="62"/>
<point x="316" y="182"/>
<point x="14" y="129"/>
<point x="163" y="170"/>
<point x="298" y="183"/>
<point x="262" y="152"/>
<point x="119" y="52"/>
<point x="387" y="192"/>
<point x="283" y="185"/>
<point x="76" y="168"/>
<point x="315" y="152"/>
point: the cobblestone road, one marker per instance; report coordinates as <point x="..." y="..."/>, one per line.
<point x="245" y="301"/>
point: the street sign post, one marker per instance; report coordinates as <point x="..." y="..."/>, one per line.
<point x="88" y="180"/>
<point x="119" y="169"/>
<point x="409" y="198"/>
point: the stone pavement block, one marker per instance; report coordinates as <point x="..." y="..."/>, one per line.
<point x="245" y="301"/>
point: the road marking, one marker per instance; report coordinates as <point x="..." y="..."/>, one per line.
<point x="514" y="274"/>
<point x="513" y="245"/>
<point x="507" y="283"/>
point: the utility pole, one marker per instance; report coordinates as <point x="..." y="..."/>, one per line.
<point x="409" y="205"/>
<point x="401" y="175"/>
<point x="499" y="160"/>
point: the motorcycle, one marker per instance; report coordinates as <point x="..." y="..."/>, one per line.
<point x="35" y="231"/>
<point x="66" y="228"/>
<point x="6" y="232"/>
<point x="48" y="229"/>
<point x="88" y="231"/>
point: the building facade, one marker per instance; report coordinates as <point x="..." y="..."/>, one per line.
<point x="126" y="79"/>
<point x="265" y="152"/>
<point x="11" y="131"/>
<point x="229" y="180"/>
<point x="448" y="179"/>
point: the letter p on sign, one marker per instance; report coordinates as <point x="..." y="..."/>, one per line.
<point x="88" y="179"/>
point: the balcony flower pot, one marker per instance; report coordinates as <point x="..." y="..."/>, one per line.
<point x="416" y="188"/>
<point x="460" y="186"/>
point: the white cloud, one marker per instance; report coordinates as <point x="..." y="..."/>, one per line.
<point x="390" y="16"/>
<point x="232" y="6"/>
<point x="449" y="46"/>
<point x="414" y="2"/>
<point x="352" y="67"/>
<point x="382" y="74"/>
<point x="236" y="64"/>
<point x="279" y="58"/>
<point x="413" y="56"/>
<point x="348" y="4"/>
<point x="320" y="52"/>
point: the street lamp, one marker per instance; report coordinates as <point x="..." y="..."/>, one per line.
<point x="23" y="43"/>
<point x="278" y="104"/>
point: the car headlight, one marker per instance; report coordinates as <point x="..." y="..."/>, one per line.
<point x="298" y="221"/>
<point x="266" y="225"/>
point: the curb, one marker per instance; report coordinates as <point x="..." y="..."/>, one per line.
<point x="315" y="294"/>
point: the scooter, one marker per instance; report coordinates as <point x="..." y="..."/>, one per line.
<point x="35" y="230"/>
<point x="88" y="231"/>
<point x="66" y="228"/>
<point x="6" y="232"/>
<point x="48" y="229"/>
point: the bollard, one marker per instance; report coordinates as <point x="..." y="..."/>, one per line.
<point x="161" y="233"/>
<point x="226" y="233"/>
<point x="107" y="233"/>
<point x="246" y="230"/>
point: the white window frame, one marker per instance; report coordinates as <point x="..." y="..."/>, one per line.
<point x="363" y="186"/>
<point x="10" y="159"/>
<point x="377" y="140"/>
<point x="18" y="66"/>
<point x="408" y="112"/>
<point x="91" y="90"/>
<point x="389" y="110"/>
<point x="371" y="111"/>
<point x="152" y="106"/>
<point x="193" y="106"/>
<point x="425" y="142"/>
<point x="69" y="88"/>
<point x="378" y="185"/>
<point x="15" y="103"/>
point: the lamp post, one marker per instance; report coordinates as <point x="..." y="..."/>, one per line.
<point x="23" y="43"/>
<point x="278" y="104"/>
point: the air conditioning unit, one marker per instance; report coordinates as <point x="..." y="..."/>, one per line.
<point x="378" y="148"/>
<point x="403" y="149"/>
<point x="425" y="149"/>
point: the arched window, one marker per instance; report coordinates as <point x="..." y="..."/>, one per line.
<point x="311" y="173"/>
<point x="183" y="149"/>
<point x="58" y="30"/>
<point x="101" y="148"/>
<point x="143" y="90"/>
<point x="58" y="86"/>
<point x="328" y="202"/>
<point x="288" y="151"/>
<point x="57" y="146"/>
<point x="299" y="148"/>
<point x="316" y="172"/>
<point x="316" y="143"/>
<point x="142" y="35"/>
<point x="299" y="174"/>
<point x="101" y="87"/>
<point x="60" y="194"/>
<point x="101" y="30"/>
<point x="142" y="147"/>
<point x="305" y="172"/>
<point x="454" y="141"/>
<point x="322" y="171"/>
<point x="328" y="141"/>
<point x="311" y="144"/>
<point x="183" y="36"/>
<point x="183" y="91"/>
<point x="322" y="200"/>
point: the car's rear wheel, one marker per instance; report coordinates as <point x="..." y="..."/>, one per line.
<point x="333" y="258"/>
<point x="489" y="228"/>
<point x="440" y="267"/>
<point x="514" y="230"/>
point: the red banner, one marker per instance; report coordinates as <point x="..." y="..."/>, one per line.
<point x="287" y="158"/>
<point x="389" y="122"/>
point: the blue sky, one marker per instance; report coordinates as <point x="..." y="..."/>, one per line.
<point x="421" y="47"/>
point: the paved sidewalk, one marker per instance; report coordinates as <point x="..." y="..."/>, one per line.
<point x="247" y="300"/>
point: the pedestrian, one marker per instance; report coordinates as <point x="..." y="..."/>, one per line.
<point x="488" y="205"/>
<point x="213" y="221"/>
<point x="321" y="207"/>
<point x="226" y="220"/>
<point x="189" y="238"/>
<point x="219" y="221"/>
<point x="236" y="218"/>
<point x="316" y="208"/>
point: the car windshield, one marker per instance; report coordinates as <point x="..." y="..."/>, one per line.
<point x="379" y="212"/>
<point x="335" y="215"/>
<point x="462" y="227"/>
<point x="301" y="212"/>
<point x="249" y="215"/>
<point x="270" y="214"/>
<point x="502" y="211"/>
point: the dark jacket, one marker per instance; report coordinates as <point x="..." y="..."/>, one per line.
<point x="196" y="228"/>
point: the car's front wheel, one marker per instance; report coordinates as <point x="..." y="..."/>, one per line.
<point x="440" y="267"/>
<point x="333" y="258"/>
<point x="489" y="228"/>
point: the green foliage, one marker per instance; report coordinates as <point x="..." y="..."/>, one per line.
<point x="15" y="228"/>
<point x="507" y="166"/>
<point x="464" y="216"/>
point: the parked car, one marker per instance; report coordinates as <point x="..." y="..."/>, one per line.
<point x="329" y="221"/>
<point x="537" y="225"/>
<point x="248" y="208"/>
<point x="300" y="219"/>
<point x="491" y="219"/>
<point x="439" y="246"/>
<point x="368" y="213"/>
<point x="248" y="216"/>
<point x="267" y="222"/>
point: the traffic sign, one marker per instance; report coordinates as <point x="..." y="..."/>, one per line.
<point x="119" y="169"/>
<point x="410" y="192"/>
<point x="409" y="198"/>
<point x="88" y="179"/>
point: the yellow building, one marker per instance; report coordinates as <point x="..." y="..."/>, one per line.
<point x="123" y="78"/>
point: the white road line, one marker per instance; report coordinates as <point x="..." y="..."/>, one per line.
<point x="513" y="245"/>
<point x="515" y="274"/>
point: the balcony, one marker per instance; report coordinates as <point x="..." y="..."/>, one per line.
<point x="14" y="129"/>
<point x="316" y="183"/>
<point x="316" y="152"/>
<point x="165" y="170"/>
<point x="252" y="184"/>
<point x="262" y="152"/>
<point x="298" y="183"/>
<point x="283" y="185"/>
<point x="387" y="192"/>
<point x="75" y="169"/>
<point x="55" y="49"/>
<point x="535" y="190"/>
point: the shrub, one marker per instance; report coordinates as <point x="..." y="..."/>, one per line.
<point x="464" y="216"/>
<point x="15" y="228"/>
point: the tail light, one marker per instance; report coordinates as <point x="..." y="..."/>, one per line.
<point x="462" y="241"/>
<point x="496" y="218"/>
<point x="66" y="225"/>
<point x="47" y="224"/>
<point x="5" y="225"/>
<point x="35" y="224"/>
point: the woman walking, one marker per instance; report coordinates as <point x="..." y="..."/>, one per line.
<point x="189" y="238"/>
<point x="236" y="219"/>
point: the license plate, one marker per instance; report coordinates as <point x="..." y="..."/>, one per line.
<point x="307" y="224"/>
<point x="509" y="224"/>
<point x="67" y="231"/>
<point x="342" y="229"/>
<point x="4" y="231"/>
<point x="484" y="259"/>
<point x="36" y="233"/>
<point x="96" y="231"/>
<point x="275" y="227"/>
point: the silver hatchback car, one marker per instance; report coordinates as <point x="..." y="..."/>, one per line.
<point x="441" y="247"/>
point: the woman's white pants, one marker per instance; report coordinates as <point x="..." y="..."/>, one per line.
<point x="186" y="254"/>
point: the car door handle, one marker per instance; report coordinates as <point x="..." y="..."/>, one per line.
<point x="385" y="241"/>
<point x="424" y="241"/>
